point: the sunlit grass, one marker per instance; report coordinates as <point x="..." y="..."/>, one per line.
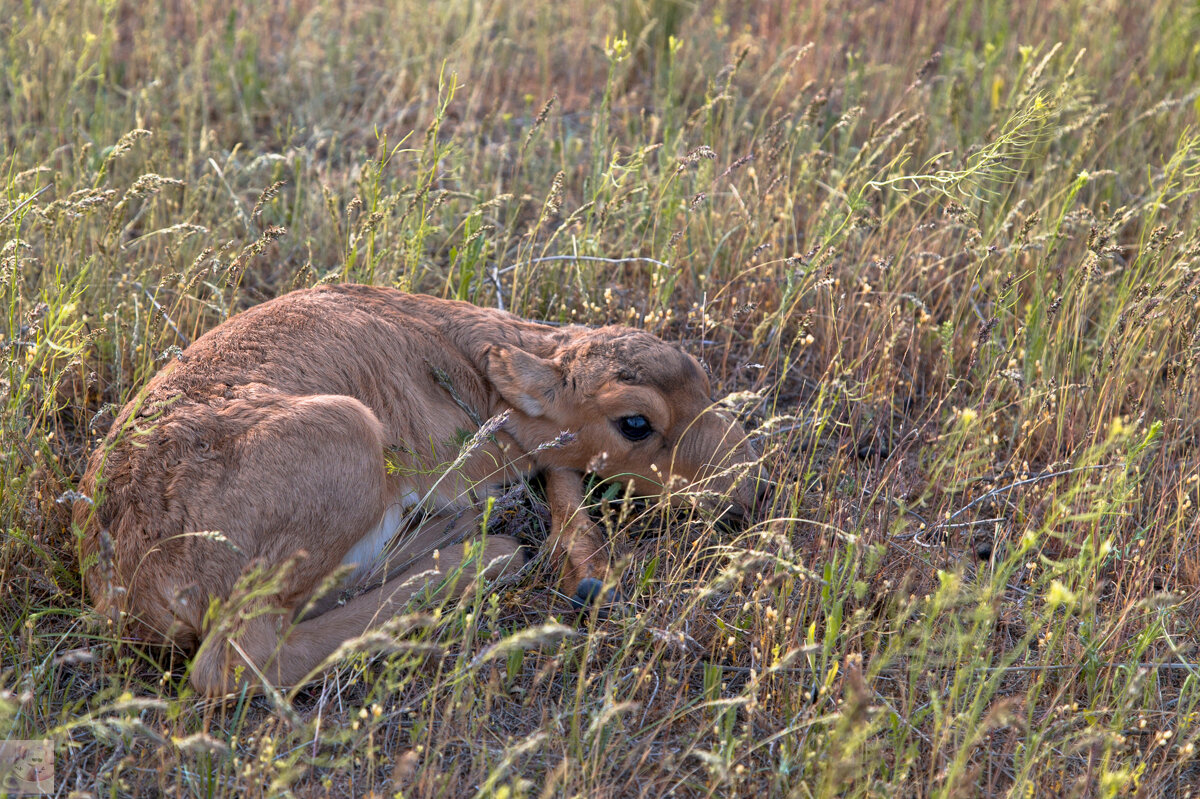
<point x="948" y="255"/>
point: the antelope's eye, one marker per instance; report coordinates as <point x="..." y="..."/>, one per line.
<point x="635" y="428"/>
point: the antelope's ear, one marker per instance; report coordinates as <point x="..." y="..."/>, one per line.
<point x="526" y="382"/>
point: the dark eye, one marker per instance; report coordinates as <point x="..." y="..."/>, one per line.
<point x="635" y="428"/>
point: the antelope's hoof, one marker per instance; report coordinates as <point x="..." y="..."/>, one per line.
<point x="589" y="593"/>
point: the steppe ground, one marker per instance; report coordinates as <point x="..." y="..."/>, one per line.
<point x="944" y="256"/>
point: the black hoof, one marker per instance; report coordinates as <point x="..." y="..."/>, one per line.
<point x="588" y="594"/>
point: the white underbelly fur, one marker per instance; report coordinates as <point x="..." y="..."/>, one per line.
<point x="366" y="552"/>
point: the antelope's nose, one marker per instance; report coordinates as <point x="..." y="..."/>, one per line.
<point x="750" y="495"/>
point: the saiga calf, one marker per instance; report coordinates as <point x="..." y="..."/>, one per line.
<point x="304" y="435"/>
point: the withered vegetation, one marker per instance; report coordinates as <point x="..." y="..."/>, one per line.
<point x="944" y="257"/>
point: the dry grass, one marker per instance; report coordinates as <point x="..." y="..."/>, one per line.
<point x="952" y="254"/>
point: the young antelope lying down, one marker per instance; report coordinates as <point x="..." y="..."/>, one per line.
<point x="304" y="435"/>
